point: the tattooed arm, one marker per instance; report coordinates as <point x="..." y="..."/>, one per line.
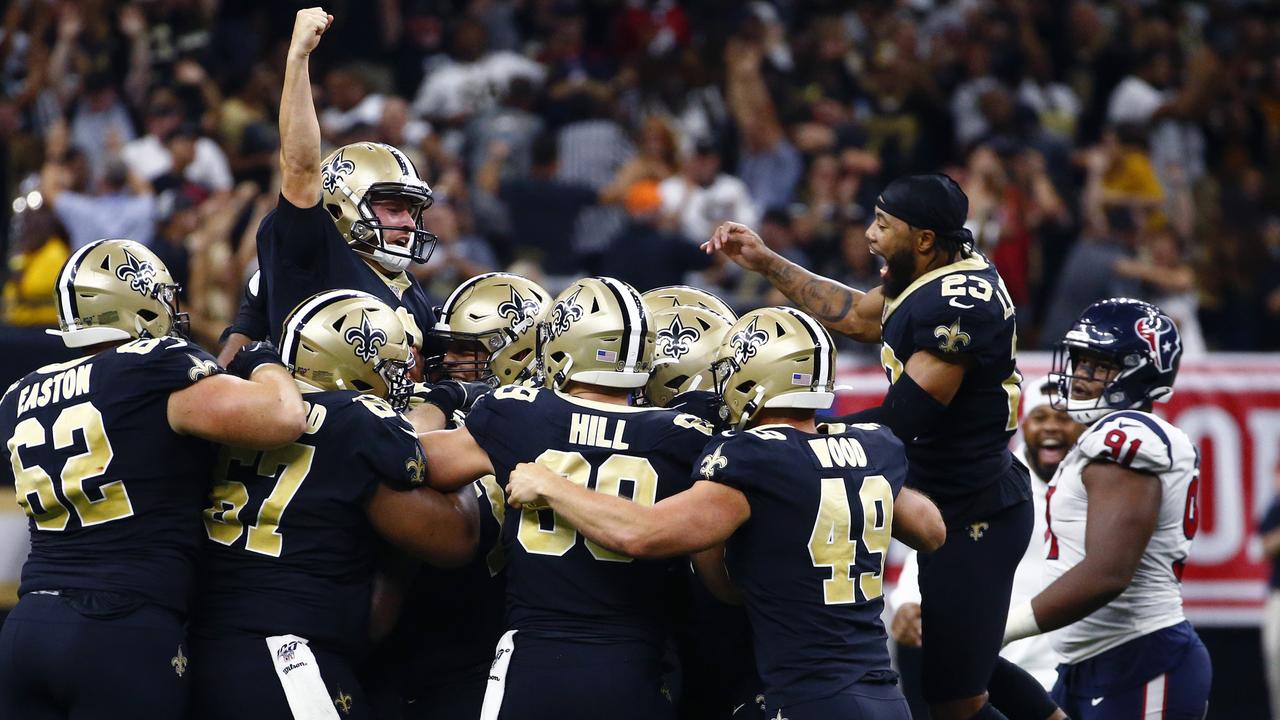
<point x="839" y="307"/>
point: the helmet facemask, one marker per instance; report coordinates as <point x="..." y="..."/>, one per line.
<point x="1108" y="370"/>
<point x="368" y="231"/>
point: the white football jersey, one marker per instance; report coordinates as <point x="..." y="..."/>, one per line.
<point x="1153" y="600"/>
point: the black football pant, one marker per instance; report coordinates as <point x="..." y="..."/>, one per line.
<point x="84" y="655"/>
<point x="541" y="678"/>
<point x="964" y="590"/>
<point x="234" y="678"/>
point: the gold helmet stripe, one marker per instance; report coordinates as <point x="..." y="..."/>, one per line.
<point x="635" y="321"/>
<point x="298" y="318"/>
<point x="66" y="285"/>
<point x="822" y="345"/>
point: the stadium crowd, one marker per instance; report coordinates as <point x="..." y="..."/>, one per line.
<point x="1116" y="147"/>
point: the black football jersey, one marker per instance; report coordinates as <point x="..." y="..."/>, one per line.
<point x="288" y="548"/>
<point x="113" y="495"/>
<point x="301" y="253"/>
<point x="559" y="583"/>
<point x="961" y="309"/>
<point x="810" y="559"/>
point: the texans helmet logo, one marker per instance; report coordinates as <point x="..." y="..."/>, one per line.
<point x="140" y="274"/>
<point x="519" y="311"/>
<point x="675" y="340"/>
<point x="336" y="168"/>
<point x="747" y="341"/>
<point x="1161" y="337"/>
<point x="365" y="339"/>
<point x="564" y="314"/>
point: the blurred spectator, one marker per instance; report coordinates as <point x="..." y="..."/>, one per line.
<point x="37" y="258"/>
<point x="458" y="256"/>
<point x="101" y="125"/>
<point x="702" y="196"/>
<point x="542" y="210"/>
<point x="121" y="207"/>
<point x="593" y="147"/>
<point x="754" y="290"/>
<point x="1169" y="282"/>
<point x="512" y="123"/>
<point x="644" y="254"/>
<point x="472" y="79"/>
<point x="769" y="164"/>
<point x="152" y="155"/>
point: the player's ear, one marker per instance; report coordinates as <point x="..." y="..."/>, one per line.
<point x="925" y="241"/>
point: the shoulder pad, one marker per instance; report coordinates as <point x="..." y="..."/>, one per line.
<point x="1130" y="439"/>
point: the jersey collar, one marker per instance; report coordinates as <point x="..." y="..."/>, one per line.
<point x="974" y="263"/>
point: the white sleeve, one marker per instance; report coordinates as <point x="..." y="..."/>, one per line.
<point x="1131" y="439"/>
<point x="908" y="588"/>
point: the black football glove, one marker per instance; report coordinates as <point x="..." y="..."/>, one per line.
<point x="253" y="356"/>
<point x="450" y="396"/>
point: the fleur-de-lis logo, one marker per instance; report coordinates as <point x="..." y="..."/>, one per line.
<point x="747" y="341"/>
<point x="342" y="701"/>
<point x="365" y="339"/>
<point x="413" y="469"/>
<point x="977" y="529"/>
<point x="140" y="274"/>
<point x="179" y="662"/>
<point x="336" y="168"/>
<point x="565" y="313"/>
<point x="951" y="336"/>
<point x="519" y="311"/>
<point x="675" y="340"/>
<point x="201" y="369"/>
<point x="713" y="462"/>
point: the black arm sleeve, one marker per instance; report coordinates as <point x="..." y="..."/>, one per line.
<point x="908" y="410"/>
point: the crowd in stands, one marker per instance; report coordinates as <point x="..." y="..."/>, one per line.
<point x="1107" y="146"/>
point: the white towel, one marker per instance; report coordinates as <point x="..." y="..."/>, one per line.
<point x="498" y="676"/>
<point x="300" y="677"/>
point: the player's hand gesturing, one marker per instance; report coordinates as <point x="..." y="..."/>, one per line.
<point x="742" y="245"/>
<point x="308" y="26"/>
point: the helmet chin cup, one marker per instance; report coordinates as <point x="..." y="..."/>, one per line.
<point x="389" y="262"/>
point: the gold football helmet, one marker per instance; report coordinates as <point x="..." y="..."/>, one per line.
<point x="597" y="332"/>
<point x="493" y="318"/>
<point x="355" y="175"/>
<point x="774" y="357"/>
<point x="349" y="340"/>
<point x="685" y="342"/>
<point x="115" y="290"/>
<point x="676" y="295"/>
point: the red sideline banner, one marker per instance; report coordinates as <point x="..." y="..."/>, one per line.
<point x="1229" y="404"/>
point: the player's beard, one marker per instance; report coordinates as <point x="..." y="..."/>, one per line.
<point x="899" y="271"/>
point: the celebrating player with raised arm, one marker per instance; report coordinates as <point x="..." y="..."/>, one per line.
<point x="352" y="220"/>
<point x="586" y="625"/>
<point x="949" y="343"/>
<point x="110" y="456"/>
<point x="283" y="612"/>
<point x="806" y="511"/>
<point x="1122" y="514"/>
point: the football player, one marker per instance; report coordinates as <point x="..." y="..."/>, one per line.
<point x="1048" y="433"/>
<point x="125" y="429"/>
<point x="586" y="625"/>
<point x="353" y="220"/>
<point x="291" y="533"/>
<point x="685" y="342"/>
<point x="442" y="648"/>
<point x="1122" y="515"/>
<point x="807" y="513"/>
<point x="949" y="343"/>
<point x="488" y="328"/>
